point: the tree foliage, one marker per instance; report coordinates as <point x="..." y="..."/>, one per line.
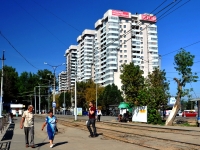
<point x="111" y="95"/>
<point x="183" y="62"/>
<point x="133" y="82"/>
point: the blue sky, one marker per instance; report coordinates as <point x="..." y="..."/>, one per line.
<point x="42" y="37"/>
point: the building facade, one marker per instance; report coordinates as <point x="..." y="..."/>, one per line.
<point x="85" y="55"/>
<point x="62" y="79"/>
<point x="122" y="37"/>
<point x="71" y="65"/>
<point x="119" y="37"/>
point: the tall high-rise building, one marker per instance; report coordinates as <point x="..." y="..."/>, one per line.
<point x="62" y="78"/>
<point x="71" y="65"/>
<point x="85" y="52"/>
<point x="122" y="37"/>
<point x="119" y="37"/>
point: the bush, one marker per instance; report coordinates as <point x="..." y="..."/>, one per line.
<point x="153" y="116"/>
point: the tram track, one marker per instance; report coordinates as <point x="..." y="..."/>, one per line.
<point x="144" y="136"/>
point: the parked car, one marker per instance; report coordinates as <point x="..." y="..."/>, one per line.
<point x="189" y="113"/>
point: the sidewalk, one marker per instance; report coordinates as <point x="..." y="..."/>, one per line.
<point x="67" y="139"/>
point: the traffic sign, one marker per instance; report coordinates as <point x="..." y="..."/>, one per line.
<point x="64" y="105"/>
<point x="53" y="104"/>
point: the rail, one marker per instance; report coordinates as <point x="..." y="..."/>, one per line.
<point x="4" y="122"/>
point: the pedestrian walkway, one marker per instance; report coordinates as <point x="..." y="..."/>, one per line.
<point x="66" y="139"/>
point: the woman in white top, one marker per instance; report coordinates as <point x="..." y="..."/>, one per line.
<point x="99" y="115"/>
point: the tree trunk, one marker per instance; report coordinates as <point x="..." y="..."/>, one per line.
<point x="176" y="107"/>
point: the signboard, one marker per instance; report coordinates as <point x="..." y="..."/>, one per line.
<point x="53" y="104"/>
<point x="172" y="101"/>
<point x="140" y="114"/>
<point x="121" y="13"/>
<point x="79" y="111"/>
<point x="147" y="17"/>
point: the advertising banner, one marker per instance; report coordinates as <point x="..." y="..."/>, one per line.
<point x="172" y="100"/>
<point x="121" y="13"/>
<point x="79" y="111"/>
<point x="148" y="17"/>
<point x="140" y="114"/>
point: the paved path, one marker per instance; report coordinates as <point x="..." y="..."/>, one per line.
<point x="67" y="139"/>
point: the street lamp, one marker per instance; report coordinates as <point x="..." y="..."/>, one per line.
<point x="54" y="92"/>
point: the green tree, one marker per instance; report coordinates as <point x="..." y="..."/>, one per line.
<point x="111" y="95"/>
<point x="133" y="82"/>
<point x="67" y="99"/>
<point x="157" y="88"/>
<point x="10" y="80"/>
<point x="183" y="62"/>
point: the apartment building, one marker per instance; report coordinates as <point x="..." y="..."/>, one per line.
<point x="71" y="65"/>
<point x="122" y="37"/>
<point x="62" y="79"/>
<point x="85" y="52"/>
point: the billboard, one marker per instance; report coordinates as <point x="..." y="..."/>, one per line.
<point x="121" y="13"/>
<point x="172" y="100"/>
<point x="140" y="114"/>
<point x="148" y="17"/>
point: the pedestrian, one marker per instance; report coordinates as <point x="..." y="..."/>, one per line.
<point x="50" y="121"/>
<point x="92" y="120"/>
<point x="27" y="122"/>
<point x="99" y="115"/>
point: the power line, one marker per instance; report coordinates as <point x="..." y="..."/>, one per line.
<point x="193" y="90"/>
<point x="18" y="51"/>
<point x="39" y="23"/>
<point x="57" y="16"/>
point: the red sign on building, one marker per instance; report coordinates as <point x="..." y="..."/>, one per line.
<point x="120" y="13"/>
<point x="148" y="17"/>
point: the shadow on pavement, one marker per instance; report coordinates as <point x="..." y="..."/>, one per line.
<point x="41" y="144"/>
<point x="60" y="143"/>
<point x="9" y="133"/>
<point x="6" y="140"/>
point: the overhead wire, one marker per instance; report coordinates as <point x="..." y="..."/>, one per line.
<point x="56" y="16"/>
<point x="193" y="90"/>
<point x="18" y="51"/>
<point x="39" y="22"/>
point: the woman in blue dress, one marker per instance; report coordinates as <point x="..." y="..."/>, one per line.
<point x="50" y="121"/>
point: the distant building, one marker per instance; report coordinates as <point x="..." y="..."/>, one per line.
<point x="71" y="65"/>
<point x="85" y="55"/>
<point x="119" y="37"/>
<point x="62" y="78"/>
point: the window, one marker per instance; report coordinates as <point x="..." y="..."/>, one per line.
<point x="140" y="28"/>
<point x="124" y="46"/>
<point x="120" y="56"/>
<point x="120" y="26"/>
<point x="124" y="41"/>
<point x="124" y="36"/>
<point x="125" y="51"/>
<point x="124" y="31"/>
<point x="121" y="61"/>
<point x="125" y="61"/>
<point x="125" y="56"/>
<point x="120" y="51"/>
<point x="124" y="26"/>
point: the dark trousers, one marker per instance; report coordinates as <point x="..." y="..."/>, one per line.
<point x="98" y="118"/>
<point x="91" y="121"/>
<point x="29" y="131"/>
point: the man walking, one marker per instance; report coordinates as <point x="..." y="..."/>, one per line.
<point x="91" y="120"/>
<point x="28" y="123"/>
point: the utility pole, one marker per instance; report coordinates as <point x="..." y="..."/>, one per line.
<point x="39" y="99"/>
<point x="35" y="100"/>
<point x="1" y="106"/>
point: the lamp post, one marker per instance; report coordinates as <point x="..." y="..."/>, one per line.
<point x="54" y="91"/>
<point x="1" y="98"/>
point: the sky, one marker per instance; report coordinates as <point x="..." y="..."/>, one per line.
<point x="42" y="30"/>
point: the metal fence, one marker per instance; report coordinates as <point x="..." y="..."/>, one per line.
<point x="4" y="121"/>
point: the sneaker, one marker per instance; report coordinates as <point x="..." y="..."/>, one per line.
<point x="52" y="146"/>
<point x="33" y="146"/>
<point x="27" y="145"/>
<point x="91" y="136"/>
